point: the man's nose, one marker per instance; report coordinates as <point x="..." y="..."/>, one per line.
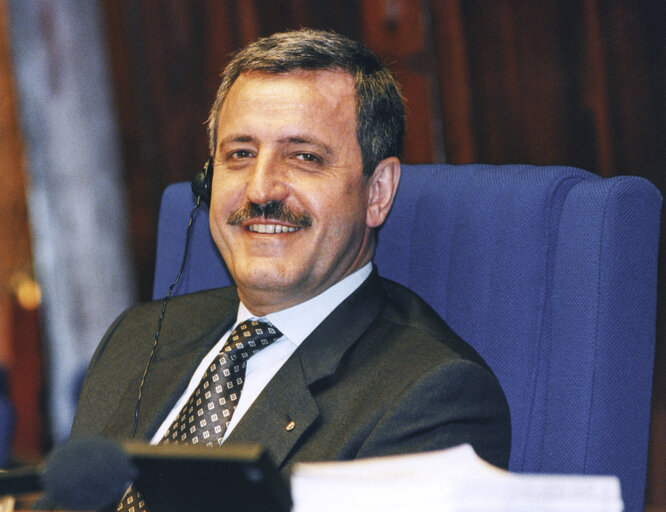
<point x="266" y="181"/>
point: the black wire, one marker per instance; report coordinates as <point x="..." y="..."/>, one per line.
<point x="159" y="321"/>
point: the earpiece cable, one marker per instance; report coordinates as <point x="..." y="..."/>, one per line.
<point x="159" y="321"/>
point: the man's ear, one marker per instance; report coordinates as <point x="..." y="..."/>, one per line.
<point x="383" y="185"/>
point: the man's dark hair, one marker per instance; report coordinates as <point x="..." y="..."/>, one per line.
<point x="380" y="114"/>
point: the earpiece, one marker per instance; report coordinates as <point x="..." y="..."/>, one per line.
<point x="202" y="182"/>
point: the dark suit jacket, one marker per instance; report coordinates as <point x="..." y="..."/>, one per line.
<point x="382" y="374"/>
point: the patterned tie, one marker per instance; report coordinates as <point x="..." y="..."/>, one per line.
<point x="206" y="415"/>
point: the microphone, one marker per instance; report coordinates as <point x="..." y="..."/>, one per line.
<point x="82" y="474"/>
<point x="94" y="473"/>
<point x="87" y="474"/>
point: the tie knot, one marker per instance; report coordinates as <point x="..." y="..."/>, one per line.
<point x="250" y="337"/>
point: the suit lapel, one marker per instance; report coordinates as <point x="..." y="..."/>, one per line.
<point x="286" y="408"/>
<point x="170" y="376"/>
<point x="170" y="373"/>
<point x="280" y="415"/>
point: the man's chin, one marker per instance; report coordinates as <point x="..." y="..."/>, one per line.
<point x="265" y="278"/>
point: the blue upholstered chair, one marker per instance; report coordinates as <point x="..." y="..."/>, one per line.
<point x="549" y="272"/>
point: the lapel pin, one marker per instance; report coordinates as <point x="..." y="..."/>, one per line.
<point x="290" y="426"/>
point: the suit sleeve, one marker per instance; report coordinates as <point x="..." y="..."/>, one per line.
<point x="455" y="403"/>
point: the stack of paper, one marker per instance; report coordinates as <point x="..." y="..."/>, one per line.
<point x="454" y="480"/>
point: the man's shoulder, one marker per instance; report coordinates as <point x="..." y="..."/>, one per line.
<point x="408" y="313"/>
<point x="202" y="302"/>
<point x="179" y="316"/>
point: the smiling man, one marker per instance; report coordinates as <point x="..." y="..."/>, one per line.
<point x="335" y="362"/>
<point x="290" y="139"/>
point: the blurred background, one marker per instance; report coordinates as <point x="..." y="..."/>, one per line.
<point x="103" y="104"/>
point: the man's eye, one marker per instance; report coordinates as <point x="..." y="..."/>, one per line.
<point x="240" y="154"/>
<point x="308" y="157"/>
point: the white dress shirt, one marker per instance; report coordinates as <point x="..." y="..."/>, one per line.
<point x="296" y="323"/>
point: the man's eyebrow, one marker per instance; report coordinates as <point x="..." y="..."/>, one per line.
<point x="310" y="141"/>
<point x="294" y="139"/>
<point x="236" y="138"/>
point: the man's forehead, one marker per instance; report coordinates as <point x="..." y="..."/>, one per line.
<point x="316" y="107"/>
<point x="334" y="87"/>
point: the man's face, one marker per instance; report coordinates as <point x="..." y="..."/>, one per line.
<point x="289" y="141"/>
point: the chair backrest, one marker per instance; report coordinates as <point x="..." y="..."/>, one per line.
<point x="549" y="272"/>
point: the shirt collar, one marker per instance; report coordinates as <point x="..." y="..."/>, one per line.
<point x="298" y="321"/>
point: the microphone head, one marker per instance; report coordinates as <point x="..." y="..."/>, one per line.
<point x="88" y="474"/>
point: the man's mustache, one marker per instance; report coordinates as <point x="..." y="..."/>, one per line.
<point x="275" y="210"/>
